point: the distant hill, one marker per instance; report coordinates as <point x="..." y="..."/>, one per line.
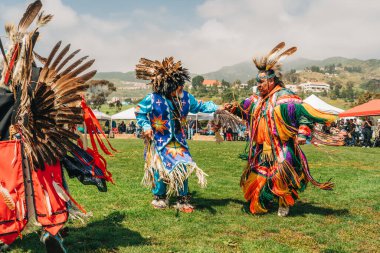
<point x="246" y="70"/>
<point x="119" y="76"/>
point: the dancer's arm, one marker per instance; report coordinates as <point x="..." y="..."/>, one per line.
<point x="242" y="109"/>
<point x="142" y="110"/>
<point x="200" y="106"/>
<point x="299" y="120"/>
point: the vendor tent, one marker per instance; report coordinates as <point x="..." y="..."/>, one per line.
<point x="127" y="114"/>
<point x="321" y="105"/>
<point x="100" y="115"/>
<point x="371" y="108"/>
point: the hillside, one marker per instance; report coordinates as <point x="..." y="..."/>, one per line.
<point x="117" y="76"/>
<point x="246" y="70"/>
<point x="128" y="86"/>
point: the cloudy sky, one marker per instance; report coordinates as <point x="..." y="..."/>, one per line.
<point x="206" y="34"/>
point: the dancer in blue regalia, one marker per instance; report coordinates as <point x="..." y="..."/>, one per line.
<point x="162" y="115"/>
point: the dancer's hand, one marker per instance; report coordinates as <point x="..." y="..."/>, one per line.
<point x="300" y="141"/>
<point x="148" y="134"/>
<point x="228" y="106"/>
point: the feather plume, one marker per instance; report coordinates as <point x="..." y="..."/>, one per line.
<point x="60" y="56"/>
<point x="285" y="54"/>
<point x="61" y="193"/>
<point x="65" y="196"/>
<point x="20" y="210"/>
<point x="73" y="66"/>
<point x="48" y="203"/>
<point x="29" y="15"/>
<point x="10" y="29"/>
<point x="53" y="52"/>
<point x="84" y="78"/>
<point x="43" y="19"/>
<point x="272" y="60"/>
<point x="275" y="50"/>
<point x="65" y="61"/>
<point x="4" y="193"/>
<point x="40" y="58"/>
<point x="82" y="68"/>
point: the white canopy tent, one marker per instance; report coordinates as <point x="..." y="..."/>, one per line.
<point x="321" y="105"/>
<point x="100" y="115"/>
<point x="200" y="116"/>
<point x="126" y="115"/>
<point x="129" y="114"/>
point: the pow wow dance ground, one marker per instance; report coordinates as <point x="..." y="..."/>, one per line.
<point x="346" y="219"/>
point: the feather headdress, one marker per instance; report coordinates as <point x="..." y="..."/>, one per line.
<point x="272" y="61"/>
<point x="48" y="100"/>
<point x="165" y="76"/>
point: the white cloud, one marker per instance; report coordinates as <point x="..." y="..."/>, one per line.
<point x="226" y="32"/>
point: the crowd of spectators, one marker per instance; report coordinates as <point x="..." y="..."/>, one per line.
<point x="228" y="133"/>
<point x="357" y="132"/>
<point x="122" y="128"/>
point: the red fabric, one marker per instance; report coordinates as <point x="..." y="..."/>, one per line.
<point x="43" y="181"/>
<point x="11" y="64"/>
<point x="229" y="137"/>
<point x="12" y="178"/>
<point x="94" y="128"/>
<point x="371" y="108"/>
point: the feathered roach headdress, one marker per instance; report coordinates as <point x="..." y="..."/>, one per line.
<point x="270" y="64"/>
<point x="164" y="76"/>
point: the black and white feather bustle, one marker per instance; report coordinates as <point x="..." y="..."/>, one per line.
<point x="225" y="119"/>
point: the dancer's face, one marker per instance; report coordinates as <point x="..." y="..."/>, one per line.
<point x="265" y="85"/>
<point x="177" y="92"/>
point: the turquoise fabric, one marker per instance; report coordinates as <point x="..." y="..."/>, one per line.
<point x="145" y="107"/>
<point x="159" y="188"/>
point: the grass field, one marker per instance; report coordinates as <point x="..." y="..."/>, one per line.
<point x="344" y="220"/>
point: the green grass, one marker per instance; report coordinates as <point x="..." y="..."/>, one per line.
<point x="344" y="220"/>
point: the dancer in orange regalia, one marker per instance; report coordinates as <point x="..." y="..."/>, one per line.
<point x="279" y="123"/>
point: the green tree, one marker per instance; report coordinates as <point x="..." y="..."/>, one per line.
<point x="364" y="98"/>
<point x="337" y="89"/>
<point x="197" y="82"/>
<point x="98" y="92"/>
<point x="315" y="69"/>
<point x="330" y="69"/>
<point x="227" y="96"/>
<point x="225" y="84"/>
<point x="350" y="90"/>
<point x="372" y="85"/>
<point x="252" y="82"/>
<point x="237" y="81"/>
<point x="118" y="105"/>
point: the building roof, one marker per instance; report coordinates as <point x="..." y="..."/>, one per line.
<point x="209" y="82"/>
